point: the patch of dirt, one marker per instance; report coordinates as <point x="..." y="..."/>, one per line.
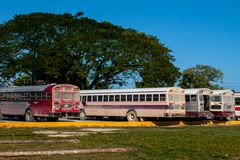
<point x="69" y="134"/>
<point x="83" y="132"/>
<point x="102" y="130"/>
<point x="45" y="132"/>
<point x="37" y="141"/>
<point x="63" y="152"/>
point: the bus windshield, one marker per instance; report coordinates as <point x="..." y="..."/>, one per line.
<point x="216" y="99"/>
<point x="228" y="99"/>
<point x="174" y="98"/>
<point x="66" y="96"/>
<point x="76" y="96"/>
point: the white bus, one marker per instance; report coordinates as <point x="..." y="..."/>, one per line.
<point x="198" y="103"/>
<point x="237" y="105"/>
<point x="222" y="104"/>
<point x="134" y="104"/>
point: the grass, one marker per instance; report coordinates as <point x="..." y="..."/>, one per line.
<point x="189" y="142"/>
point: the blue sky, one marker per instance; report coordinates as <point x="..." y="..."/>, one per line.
<point x="197" y="31"/>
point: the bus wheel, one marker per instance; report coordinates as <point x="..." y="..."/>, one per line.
<point x="132" y="116"/>
<point x="1" y="117"/>
<point x="29" y="116"/>
<point x="82" y="115"/>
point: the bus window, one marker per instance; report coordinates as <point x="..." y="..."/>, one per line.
<point x="84" y="98"/>
<point x="18" y="96"/>
<point x="111" y="98"/>
<point x="215" y="98"/>
<point x="237" y="101"/>
<point x="56" y="96"/>
<point x="33" y="96"/>
<point x="129" y="97"/>
<point x="123" y="97"/>
<point x="187" y="98"/>
<point x="13" y="97"/>
<point x="100" y="99"/>
<point x="89" y="98"/>
<point x="105" y="98"/>
<point x="117" y="98"/>
<point x="162" y="97"/>
<point x="193" y="98"/>
<point x="142" y="97"/>
<point x="135" y="97"/>
<point x="76" y="96"/>
<point x="40" y="97"/>
<point x="66" y="96"/>
<point x="94" y="98"/>
<point x="156" y="97"/>
<point x="149" y="97"/>
<point x="26" y="96"/>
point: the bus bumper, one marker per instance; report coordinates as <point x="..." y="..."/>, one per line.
<point x="62" y="114"/>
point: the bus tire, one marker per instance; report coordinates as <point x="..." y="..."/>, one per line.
<point x="82" y="115"/>
<point x="1" y="117"/>
<point x="132" y="116"/>
<point x="29" y="116"/>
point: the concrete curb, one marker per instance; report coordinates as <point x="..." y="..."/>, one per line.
<point x="115" y="124"/>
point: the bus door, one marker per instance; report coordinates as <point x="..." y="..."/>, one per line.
<point x="206" y="102"/>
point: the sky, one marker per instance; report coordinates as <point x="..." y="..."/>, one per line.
<point x="197" y="31"/>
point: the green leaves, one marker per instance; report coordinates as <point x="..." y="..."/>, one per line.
<point x="55" y="48"/>
<point x="201" y="76"/>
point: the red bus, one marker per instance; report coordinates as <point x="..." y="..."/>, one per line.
<point x="50" y="101"/>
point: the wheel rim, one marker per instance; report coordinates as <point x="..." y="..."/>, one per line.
<point x="27" y="116"/>
<point x="82" y="115"/>
<point x="131" y="116"/>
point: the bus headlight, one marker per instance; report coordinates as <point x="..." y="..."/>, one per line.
<point x="56" y="106"/>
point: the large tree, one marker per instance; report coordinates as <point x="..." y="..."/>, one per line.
<point x="201" y="76"/>
<point x="65" y="48"/>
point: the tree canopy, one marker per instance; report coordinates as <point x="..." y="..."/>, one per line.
<point x="65" y="48"/>
<point x="201" y="76"/>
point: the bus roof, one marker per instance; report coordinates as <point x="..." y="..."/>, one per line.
<point x="198" y="90"/>
<point x="135" y="90"/>
<point x="36" y="88"/>
<point x="237" y="94"/>
<point x="224" y="91"/>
